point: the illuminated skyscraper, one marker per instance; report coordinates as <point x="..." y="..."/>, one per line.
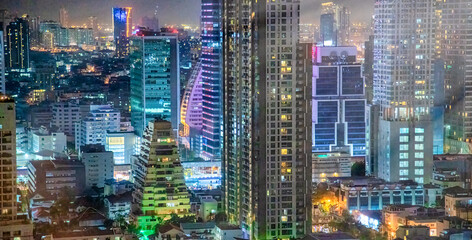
<point x="159" y="185"/>
<point x="267" y="119"/>
<point x="18" y="45"/>
<point x="10" y="226"/>
<point x="155" y="80"/>
<point x="122" y="29"/>
<point x="404" y="55"/>
<point x="211" y="78"/>
<point x="339" y="104"/>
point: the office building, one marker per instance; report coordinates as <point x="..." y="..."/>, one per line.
<point x="17" y="49"/>
<point x="93" y="24"/>
<point x="455" y="39"/>
<point x="49" y="177"/>
<point x="339" y="104"/>
<point x="94" y="127"/>
<point x="191" y="116"/>
<point x="98" y="164"/>
<point x="122" y="145"/>
<point x="160" y="188"/>
<point x="212" y="85"/>
<point x="266" y="113"/>
<point x="42" y="138"/>
<point x="155" y="80"/>
<point x="122" y="29"/>
<point x="335" y="24"/>
<point x="330" y="164"/>
<point x="64" y="116"/>
<point x="404" y="88"/>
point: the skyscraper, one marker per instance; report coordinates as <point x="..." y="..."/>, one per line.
<point x="335" y="24"/>
<point x="455" y="39"/>
<point x="122" y="29"/>
<point x="155" y="86"/>
<point x="64" y="17"/>
<point x="18" y="45"/>
<point x="339" y="104"/>
<point x="10" y="225"/>
<point x="93" y="24"/>
<point x="266" y="113"/>
<point x="211" y="78"/>
<point x="404" y="54"/>
<point x="159" y="185"/>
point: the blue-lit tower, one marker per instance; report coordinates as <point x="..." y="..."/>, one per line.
<point x="211" y="78"/>
<point x="155" y="80"/>
<point x="339" y="102"/>
<point x="122" y="29"/>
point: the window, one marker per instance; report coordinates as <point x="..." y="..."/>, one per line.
<point x="403" y="163"/>
<point x="419" y="155"/>
<point x="419" y="146"/>
<point x="404" y="138"/>
<point x="403" y="172"/>
<point x="419" y="130"/>
<point x="419" y="163"/>
<point x="404" y="130"/>
<point x="419" y="171"/>
<point x="403" y="155"/>
<point x="419" y="180"/>
<point x="403" y="147"/>
<point x="419" y="138"/>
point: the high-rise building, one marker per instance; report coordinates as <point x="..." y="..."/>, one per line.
<point x="211" y="78"/>
<point x="64" y="116"/>
<point x="455" y="39"/>
<point x="339" y="104"/>
<point x="266" y="113"/>
<point x="159" y="185"/>
<point x="2" y="65"/>
<point x="404" y="88"/>
<point x="10" y="224"/>
<point x="335" y="24"/>
<point x="122" y="145"/>
<point x="94" y="127"/>
<point x="64" y="17"/>
<point x="18" y="45"/>
<point x="93" y="24"/>
<point x="155" y="86"/>
<point x="122" y="29"/>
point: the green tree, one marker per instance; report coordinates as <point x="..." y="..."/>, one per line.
<point x="358" y="169"/>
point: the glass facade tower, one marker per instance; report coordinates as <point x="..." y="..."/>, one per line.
<point x="155" y="80"/>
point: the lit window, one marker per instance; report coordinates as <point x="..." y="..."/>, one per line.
<point x="403" y="147"/>
<point x="419" y="180"/>
<point x="419" y="171"/>
<point x="403" y="163"/>
<point x="419" y="138"/>
<point x="283" y="218"/>
<point x="403" y="172"/>
<point x="404" y="138"/>
<point x="404" y="130"/>
<point x="403" y="155"/>
<point x="419" y="155"/>
<point x="419" y="146"/>
<point x="283" y="151"/>
<point x="419" y="163"/>
<point x="419" y="130"/>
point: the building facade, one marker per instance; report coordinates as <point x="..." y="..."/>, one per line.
<point x="266" y="113"/>
<point x="404" y="88"/>
<point x="18" y="45"/>
<point x="335" y="25"/>
<point x="330" y="164"/>
<point x="65" y="115"/>
<point x="44" y="139"/>
<point x="155" y="80"/>
<point x="339" y="103"/>
<point x="122" y="145"/>
<point x="212" y="84"/>
<point x="160" y="188"/>
<point x="99" y="165"/>
<point x="122" y="29"/>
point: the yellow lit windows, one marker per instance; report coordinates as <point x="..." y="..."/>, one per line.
<point x="284" y="151"/>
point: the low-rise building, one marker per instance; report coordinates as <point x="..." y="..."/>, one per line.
<point x="50" y="177"/>
<point x="44" y="139"/>
<point x="458" y="203"/>
<point x="118" y="205"/>
<point x="412" y="232"/>
<point x="331" y="164"/>
<point x="114" y="187"/>
<point x="198" y="230"/>
<point x="227" y="232"/>
<point x="98" y="165"/>
<point x="91" y="234"/>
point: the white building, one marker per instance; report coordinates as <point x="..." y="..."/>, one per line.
<point x="98" y="165"/>
<point x="118" y="205"/>
<point x="227" y="232"/>
<point x="44" y="139"/>
<point x="122" y="146"/>
<point x="330" y="165"/>
<point x="95" y="125"/>
<point x="65" y="115"/>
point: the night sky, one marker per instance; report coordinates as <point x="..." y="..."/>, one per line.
<point x="170" y="11"/>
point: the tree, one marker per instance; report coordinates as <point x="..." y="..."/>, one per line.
<point x="358" y="169"/>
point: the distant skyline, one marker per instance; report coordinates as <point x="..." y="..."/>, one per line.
<point x="170" y="11"/>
